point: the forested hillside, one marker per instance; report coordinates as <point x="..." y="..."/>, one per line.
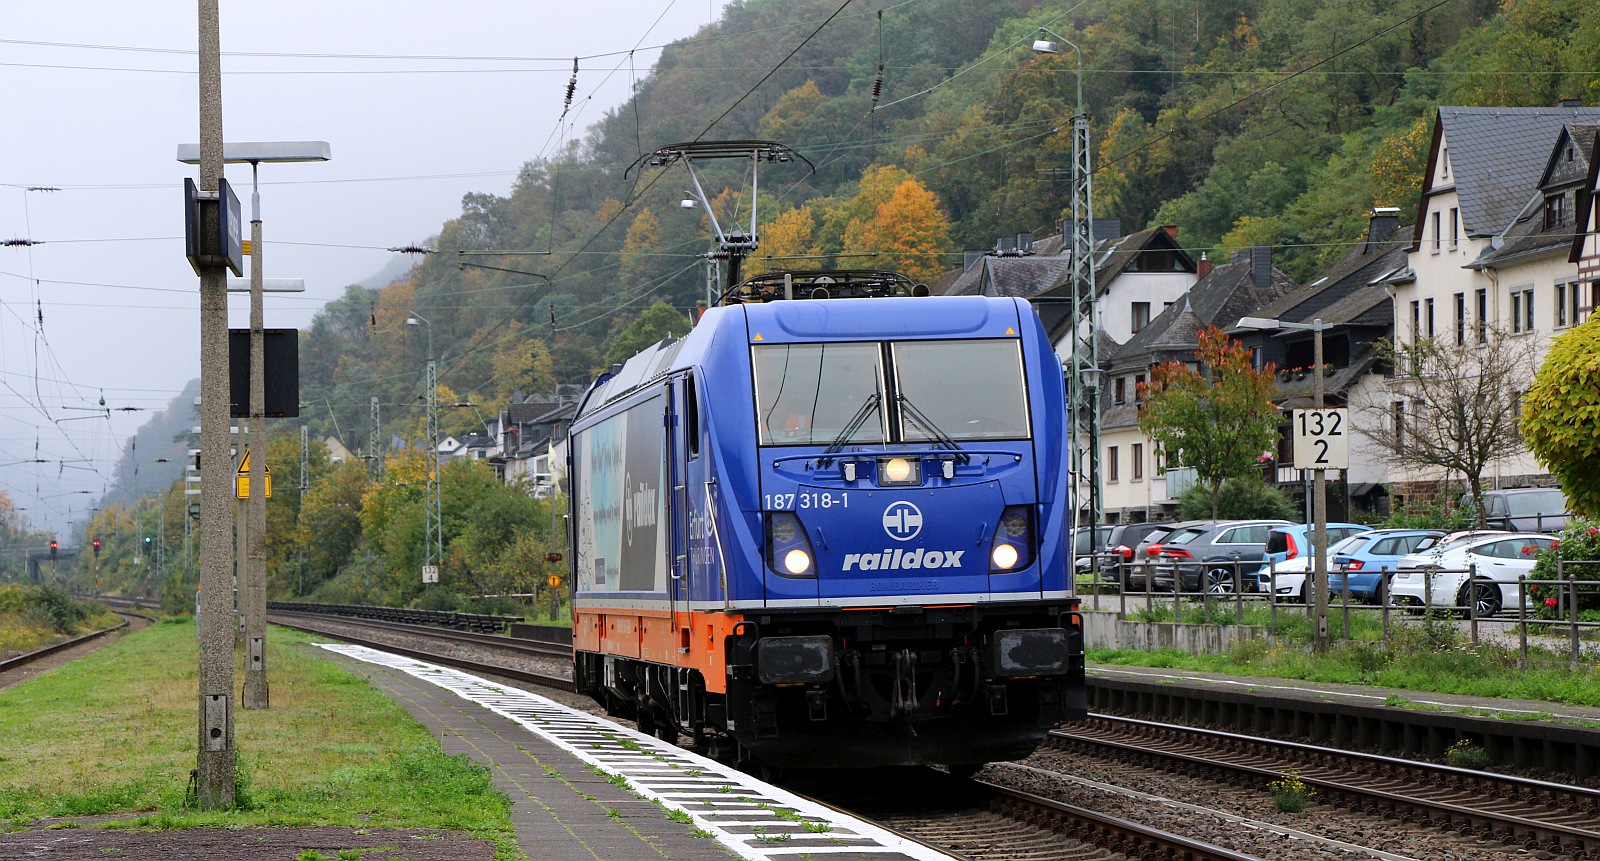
<point x="1242" y="122"/>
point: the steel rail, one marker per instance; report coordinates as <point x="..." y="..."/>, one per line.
<point x="555" y="682"/>
<point x="26" y="658"/>
<point x="1109" y="832"/>
<point x="1436" y="795"/>
<point x="534" y="647"/>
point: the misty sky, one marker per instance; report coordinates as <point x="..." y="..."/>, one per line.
<point x="421" y="103"/>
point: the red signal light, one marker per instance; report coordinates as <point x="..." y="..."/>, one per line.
<point x="53" y="545"/>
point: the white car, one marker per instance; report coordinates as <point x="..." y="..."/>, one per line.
<point x="1289" y="576"/>
<point x="1491" y="562"/>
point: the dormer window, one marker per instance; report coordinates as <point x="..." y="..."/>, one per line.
<point x="1444" y="162"/>
<point x="1555" y="211"/>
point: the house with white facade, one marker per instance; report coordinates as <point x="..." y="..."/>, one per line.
<point x="1133" y="475"/>
<point x="1491" y="246"/>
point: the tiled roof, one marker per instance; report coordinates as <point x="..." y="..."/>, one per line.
<point x="1219" y="299"/>
<point x="1497" y="156"/>
<point x="1009" y="276"/>
<point x="1527" y="237"/>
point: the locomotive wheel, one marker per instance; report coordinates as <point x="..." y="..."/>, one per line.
<point x="667" y="732"/>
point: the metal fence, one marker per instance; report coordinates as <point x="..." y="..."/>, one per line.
<point x="1113" y="581"/>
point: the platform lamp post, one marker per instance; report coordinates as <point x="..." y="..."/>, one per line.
<point x="1319" y="486"/>
<point x="432" y="505"/>
<point x="254" y="589"/>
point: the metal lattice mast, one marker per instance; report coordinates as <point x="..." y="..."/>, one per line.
<point x="374" y="445"/>
<point x="433" y="537"/>
<point x="1083" y="378"/>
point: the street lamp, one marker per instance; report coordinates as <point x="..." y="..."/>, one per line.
<point x="432" y="504"/>
<point x="1319" y="488"/>
<point x="255" y="585"/>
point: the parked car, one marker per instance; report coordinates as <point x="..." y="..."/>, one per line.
<point x="1214" y="556"/>
<point x="1525" y="509"/>
<point x="1292" y="541"/>
<point x="1148" y="551"/>
<point x="1481" y="569"/>
<point x="1367" y="559"/>
<point x="1115" y="545"/>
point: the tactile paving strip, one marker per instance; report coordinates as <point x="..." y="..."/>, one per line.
<point x="756" y="820"/>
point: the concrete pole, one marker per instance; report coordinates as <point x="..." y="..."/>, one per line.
<point x="253" y="591"/>
<point x="214" y="770"/>
<point x="1319" y="511"/>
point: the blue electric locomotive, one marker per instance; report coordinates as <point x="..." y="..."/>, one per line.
<point x="829" y="531"/>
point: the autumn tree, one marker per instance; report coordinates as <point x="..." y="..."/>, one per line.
<point x="909" y="231"/>
<point x="641" y="242"/>
<point x="786" y="236"/>
<point x="1217" y="419"/>
<point x="1561" y="415"/>
<point x="1457" y="405"/>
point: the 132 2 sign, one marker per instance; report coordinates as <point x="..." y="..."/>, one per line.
<point x="1321" y="439"/>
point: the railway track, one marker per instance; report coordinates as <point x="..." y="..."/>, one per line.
<point x="1537" y="815"/>
<point x="985" y="822"/>
<point x="992" y="823"/>
<point x="25" y="659"/>
<point x="338" y="628"/>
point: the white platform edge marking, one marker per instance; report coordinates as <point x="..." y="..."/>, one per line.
<point x="557" y="718"/>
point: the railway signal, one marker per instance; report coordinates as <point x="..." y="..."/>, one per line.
<point x="53" y="548"/>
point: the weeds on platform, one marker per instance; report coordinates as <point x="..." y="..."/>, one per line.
<point x="1465" y="754"/>
<point x="113" y="733"/>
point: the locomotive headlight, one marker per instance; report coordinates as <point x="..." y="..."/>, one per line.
<point x="783" y="529"/>
<point x="789" y="552"/>
<point x="1004" y="557"/>
<point x="1016" y="523"/>
<point x="897" y="469"/>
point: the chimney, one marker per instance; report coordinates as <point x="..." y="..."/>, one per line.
<point x="1104" y="229"/>
<point x="1569" y="102"/>
<point x="1240" y="256"/>
<point x="1172" y="231"/>
<point x="1261" y="265"/>
<point x="1204" y="267"/>
<point x="1383" y="223"/>
<point x="1025" y="243"/>
<point x="1005" y="246"/>
<point x="968" y="258"/>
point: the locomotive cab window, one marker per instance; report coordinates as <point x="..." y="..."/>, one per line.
<point x="809" y="394"/>
<point x="969" y="390"/>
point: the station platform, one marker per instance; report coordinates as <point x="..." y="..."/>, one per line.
<point x="584" y="788"/>
<point x="1552" y="737"/>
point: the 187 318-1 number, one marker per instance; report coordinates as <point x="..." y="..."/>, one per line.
<point x="805" y="499"/>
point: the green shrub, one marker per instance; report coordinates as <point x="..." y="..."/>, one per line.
<point x="1247" y="498"/>
<point x="1465" y="754"/>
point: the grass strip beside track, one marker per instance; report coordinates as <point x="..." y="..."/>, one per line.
<point x="1431" y="655"/>
<point x="114" y="733"/>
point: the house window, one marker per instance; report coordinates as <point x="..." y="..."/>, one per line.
<point x="1430" y="319"/>
<point x="1141" y="315"/>
<point x="1160" y="455"/>
<point x="1255" y="358"/>
<point x="1138" y="461"/>
<point x="1444" y="162"/>
<point x="1561" y="305"/>
<point x="1399" y="409"/>
<point x="1138" y="388"/>
<point x="1416" y="320"/>
<point x="1434" y="218"/>
<point x="1522" y="310"/>
<point x="1119" y="389"/>
<point x="1483" y="311"/>
<point x="1555" y="211"/>
<point x="1461" y="318"/>
<point x="1580" y="311"/>
<point x="1111" y="463"/>
<point x="1455" y="228"/>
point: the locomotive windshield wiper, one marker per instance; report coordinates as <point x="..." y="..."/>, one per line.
<point x="910" y="411"/>
<point x="868" y="407"/>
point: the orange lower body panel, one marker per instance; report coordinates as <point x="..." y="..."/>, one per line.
<point x="689" y="640"/>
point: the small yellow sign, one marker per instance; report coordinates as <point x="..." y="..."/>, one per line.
<point x="241" y="479"/>
<point x="553" y="581"/>
<point x="246" y="247"/>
